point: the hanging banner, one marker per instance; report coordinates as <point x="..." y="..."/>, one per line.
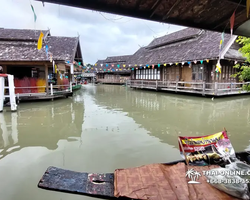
<point x="232" y="22"/>
<point x="47" y="51"/>
<point x="218" y="67"/>
<point x="72" y="69"/>
<point x="33" y="13"/>
<point x="40" y="41"/>
<point x="206" y="150"/>
<point x="56" y="69"/>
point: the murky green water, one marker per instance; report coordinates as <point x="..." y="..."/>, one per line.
<point x="104" y="128"/>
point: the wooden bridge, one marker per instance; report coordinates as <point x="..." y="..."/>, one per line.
<point x="203" y="88"/>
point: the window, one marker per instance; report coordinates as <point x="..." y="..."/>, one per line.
<point x="197" y="72"/>
<point x="158" y="74"/>
<point x="155" y="73"/>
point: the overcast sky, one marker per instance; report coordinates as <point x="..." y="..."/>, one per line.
<point x="101" y="34"/>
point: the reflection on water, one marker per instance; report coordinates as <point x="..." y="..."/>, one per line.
<point x="167" y="115"/>
<point x="103" y="128"/>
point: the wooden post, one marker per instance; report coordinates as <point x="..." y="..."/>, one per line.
<point x="70" y="85"/>
<point x="4" y="69"/>
<point x="46" y="78"/>
<point x="1" y="93"/>
<point x="176" y="86"/>
<point x="12" y="95"/>
<point x="51" y="88"/>
<point x="215" y="88"/>
<point x="183" y="151"/>
<point x="156" y="85"/>
<point x="203" y="88"/>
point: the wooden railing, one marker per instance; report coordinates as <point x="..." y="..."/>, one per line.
<point x="190" y="87"/>
<point x="41" y="90"/>
<point x="111" y="80"/>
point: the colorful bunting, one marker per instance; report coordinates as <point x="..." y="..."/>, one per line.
<point x="101" y="65"/>
<point x="201" y="61"/>
<point x="176" y="63"/>
<point x="232" y="22"/>
<point x="107" y="65"/>
<point x="159" y="65"/>
<point x="118" y="66"/>
<point x="207" y="61"/>
<point x="183" y="63"/>
<point x="40" y="41"/>
<point x="165" y="64"/>
<point x="189" y="63"/>
<point x="235" y="62"/>
<point x="124" y="65"/>
<point x="195" y="61"/>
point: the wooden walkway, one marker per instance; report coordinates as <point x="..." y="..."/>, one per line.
<point x="202" y="88"/>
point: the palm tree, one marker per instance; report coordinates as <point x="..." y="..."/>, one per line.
<point x="196" y="175"/>
<point x="190" y="173"/>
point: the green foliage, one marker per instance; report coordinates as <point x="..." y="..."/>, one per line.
<point x="243" y="70"/>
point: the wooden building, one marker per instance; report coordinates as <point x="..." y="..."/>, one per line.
<point x="112" y="70"/>
<point x="185" y="61"/>
<point x="20" y="57"/>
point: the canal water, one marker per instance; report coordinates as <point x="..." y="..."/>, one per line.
<point x="106" y="127"/>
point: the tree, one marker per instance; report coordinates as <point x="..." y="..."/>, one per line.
<point x="244" y="69"/>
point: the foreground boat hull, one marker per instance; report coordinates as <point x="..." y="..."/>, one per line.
<point x="94" y="184"/>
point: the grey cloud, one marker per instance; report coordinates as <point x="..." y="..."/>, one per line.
<point x="100" y="34"/>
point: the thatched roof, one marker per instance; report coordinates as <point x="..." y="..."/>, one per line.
<point x="185" y="45"/>
<point x="21" y="45"/>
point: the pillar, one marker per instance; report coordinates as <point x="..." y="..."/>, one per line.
<point x="4" y="69"/>
<point x="46" y="78"/>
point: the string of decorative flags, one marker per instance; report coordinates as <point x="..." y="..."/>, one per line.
<point x="124" y="67"/>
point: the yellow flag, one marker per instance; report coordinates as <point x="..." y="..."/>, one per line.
<point x="40" y="41"/>
<point x="55" y="69"/>
<point x="248" y="5"/>
<point x="218" y="66"/>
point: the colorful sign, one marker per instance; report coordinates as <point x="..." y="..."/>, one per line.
<point x="206" y="150"/>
